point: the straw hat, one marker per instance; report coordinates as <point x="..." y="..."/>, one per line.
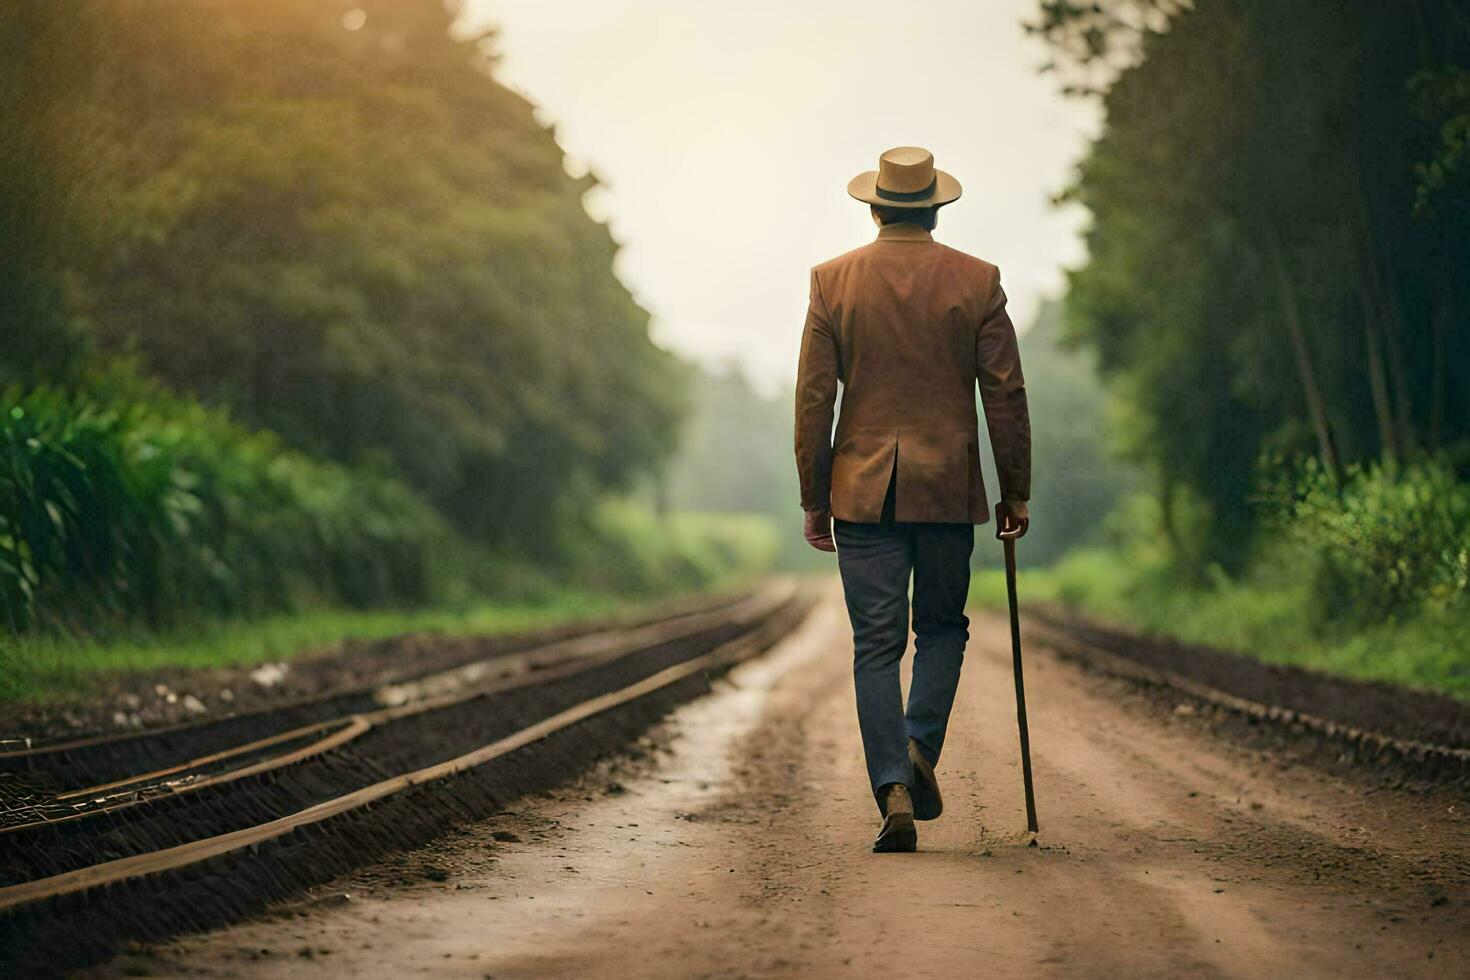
<point x="905" y="178"/>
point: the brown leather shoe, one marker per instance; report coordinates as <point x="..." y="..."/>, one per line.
<point x="927" y="802"/>
<point x="898" y="833"/>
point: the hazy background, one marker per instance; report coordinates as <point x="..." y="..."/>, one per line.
<point x="725" y="135"/>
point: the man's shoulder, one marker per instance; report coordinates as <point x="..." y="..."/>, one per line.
<point x="838" y="262"/>
<point x="954" y="255"/>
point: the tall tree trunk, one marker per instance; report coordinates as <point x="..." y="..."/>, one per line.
<point x="1388" y="443"/>
<point x="1383" y="307"/>
<point x="1439" y="370"/>
<point x="1393" y="330"/>
<point x="1316" y="409"/>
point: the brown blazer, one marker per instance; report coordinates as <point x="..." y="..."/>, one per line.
<point x="909" y="326"/>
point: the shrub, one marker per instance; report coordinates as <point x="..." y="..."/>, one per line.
<point x="1390" y="540"/>
<point x="129" y="503"/>
<point x="624" y="547"/>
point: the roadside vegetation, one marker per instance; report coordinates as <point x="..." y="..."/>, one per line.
<point x="1275" y="299"/>
<point x="1357" y="584"/>
<point x="303" y="317"/>
<point x="137" y="505"/>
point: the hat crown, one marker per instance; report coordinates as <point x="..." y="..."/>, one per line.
<point x="906" y="178"/>
<point x="905" y="170"/>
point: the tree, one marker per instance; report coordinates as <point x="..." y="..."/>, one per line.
<point x="330" y="218"/>
<point x="1258" y="283"/>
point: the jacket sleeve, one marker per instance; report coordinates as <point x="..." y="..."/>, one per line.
<point x="1003" y="395"/>
<point x="817" y="374"/>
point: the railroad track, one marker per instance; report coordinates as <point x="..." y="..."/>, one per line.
<point x="99" y="758"/>
<point x="1235" y="687"/>
<point x="145" y="834"/>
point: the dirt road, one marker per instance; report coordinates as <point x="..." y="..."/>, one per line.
<point x="738" y="846"/>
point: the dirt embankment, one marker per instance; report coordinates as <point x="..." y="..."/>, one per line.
<point x="1418" y="716"/>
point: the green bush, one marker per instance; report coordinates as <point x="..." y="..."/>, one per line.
<point x="1391" y="541"/>
<point x="626" y="548"/>
<point x="1365" y="577"/>
<point x="127" y="503"/>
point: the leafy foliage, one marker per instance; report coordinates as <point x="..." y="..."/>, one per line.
<point x="1258" y="281"/>
<point x="1093" y="41"/>
<point x="633" y="551"/>
<point x="135" y="504"/>
<point x="1267" y="614"/>
<point x="1441" y="97"/>
<point x="326" y="220"/>
<point x="349" y="233"/>
<point x="38" y="179"/>
<point x="1389" y="543"/>
<point x="1275" y="292"/>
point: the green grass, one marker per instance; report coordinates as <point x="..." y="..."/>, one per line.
<point x="41" y="668"/>
<point x="631" y="558"/>
<point x="1267" y="615"/>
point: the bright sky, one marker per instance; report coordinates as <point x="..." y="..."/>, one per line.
<point x="726" y="133"/>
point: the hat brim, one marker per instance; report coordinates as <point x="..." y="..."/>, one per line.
<point x="864" y="187"/>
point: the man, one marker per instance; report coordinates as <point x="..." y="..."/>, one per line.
<point x="909" y="327"/>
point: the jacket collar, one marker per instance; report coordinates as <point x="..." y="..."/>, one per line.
<point x="903" y="232"/>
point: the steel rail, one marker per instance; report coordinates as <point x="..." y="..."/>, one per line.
<point x="183" y="855"/>
<point x="573" y="657"/>
<point x="385" y="694"/>
<point x="347" y="732"/>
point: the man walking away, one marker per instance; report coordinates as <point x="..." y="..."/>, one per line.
<point x="909" y="327"/>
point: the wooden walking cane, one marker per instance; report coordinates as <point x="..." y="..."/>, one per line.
<point x="1008" y="540"/>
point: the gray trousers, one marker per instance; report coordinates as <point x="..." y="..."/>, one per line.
<point x="876" y="562"/>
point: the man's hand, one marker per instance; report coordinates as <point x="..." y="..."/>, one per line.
<point x="818" y="530"/>
<point x="1011" y="519"/>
